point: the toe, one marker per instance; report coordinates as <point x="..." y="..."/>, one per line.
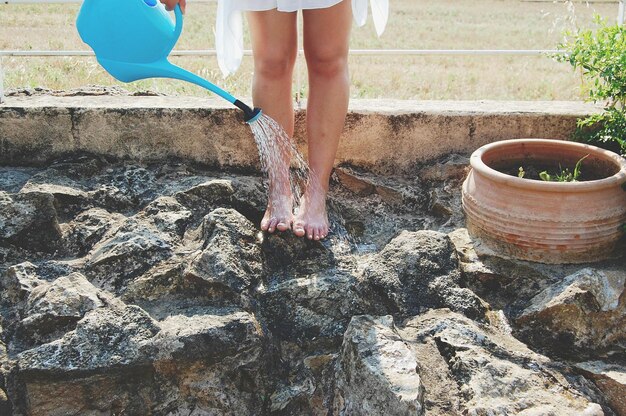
<point x="316" y="233"/>
<point x="309" y="232"/>
<point x="283" y="225"/>
<point x="298" y="229"/>
<point x="264" y="223"/>
<point x="272" y="225"/>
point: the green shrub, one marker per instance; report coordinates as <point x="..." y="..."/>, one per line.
<point x="600" y="55"/>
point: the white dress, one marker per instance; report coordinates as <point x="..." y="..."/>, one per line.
<point x="229" y="25"/>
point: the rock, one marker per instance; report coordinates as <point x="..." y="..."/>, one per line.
<point x="353" y="182"/>
<point x="586" y="309"/>
<point x="69" y="199"/>
<point x="230" y="258"/>
<point x="453" y="167"/>
<point x="244" y="194"/>
<point x="418" y="271"/>
<point x="312" y="311"/>
<point x="203" y="337"/>
<point x="284" y="250"/>
<point x="112" y="198"/>
<point x="210" y="364"/>
<point x="292" y="398"/>
<point x="103" y="338"/>
<point x="18" y="283"/>
<point x="377" y="373"/>
<point x="125" y="253"/>
<point x="496" y="373"/>
<point x="29" y="220"/>
<point x="12" y="179"/>
<point x="215" y="191"/>
<point x="610" y="379"/>
<point x="89" y="227"/>
<point x="52" y="309"/>
<point x="364" y="184"/>
<point x="506" y="284"/>
<point x="168" y="216"/>
<point x="119" y="358"/>
<point x="322" y="369"/>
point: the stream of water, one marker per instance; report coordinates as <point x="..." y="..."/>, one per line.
<point x="281" y="162"/>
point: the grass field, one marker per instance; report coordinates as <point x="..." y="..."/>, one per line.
<point x="413" y="24"/>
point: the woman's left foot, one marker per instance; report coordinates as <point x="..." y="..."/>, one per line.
<point x="311" y="219"/>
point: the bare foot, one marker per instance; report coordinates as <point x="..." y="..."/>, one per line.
<point x="311" y="219"/>
<point x="278" y="215"/>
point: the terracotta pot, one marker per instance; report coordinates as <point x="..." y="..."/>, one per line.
<point x="548" y="222"/>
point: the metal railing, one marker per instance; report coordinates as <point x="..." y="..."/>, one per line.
<point x="212" y="52"/>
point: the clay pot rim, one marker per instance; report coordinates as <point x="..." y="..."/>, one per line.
<point x="617" y="179"/>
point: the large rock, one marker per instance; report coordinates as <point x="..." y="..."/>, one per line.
<point x="168" y="216"/>
<point x="314" y="311"/>
<point x="587" y="309"/>
<point x="87" y="228"/>
<point x="53" y="309"/>
<point x="125" y="253"/>
<point x="119" y="358"/>
<point x="29" y="220"/>
<point x="417" y="271"/>
<point x="69" y="198"/>
<point x="496" y="374"/>
<point x="244" y="194"/>
<point x="378" y="373"/>
<point x="230" y="258"/>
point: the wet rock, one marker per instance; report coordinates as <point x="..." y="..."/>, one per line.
<point x="29" y="220"/>
<point x="284" y="249"/>
<point x="496" y="374"/>
<point x="89" y="227"/>
<point x="586" y="309"/>
<point x="125" y="253"/>
<point x="230" y="258"/>
<point x="417" y="271"/>
<point x="377" y="374"/>
<point x="610" y="379"/>
<point x="312" y="311"/>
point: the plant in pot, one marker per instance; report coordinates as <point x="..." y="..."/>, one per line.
<point x="550" y="201"/>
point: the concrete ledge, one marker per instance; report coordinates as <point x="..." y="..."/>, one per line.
<point x="384" y="136"/>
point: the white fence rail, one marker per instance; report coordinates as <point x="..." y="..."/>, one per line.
<point x="212" y="52"/>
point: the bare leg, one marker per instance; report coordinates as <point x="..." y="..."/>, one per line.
<point x="326" y="39"/>
<point x="274" y="46"/>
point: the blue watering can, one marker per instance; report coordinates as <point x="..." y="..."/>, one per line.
<point x="133" y="38"/>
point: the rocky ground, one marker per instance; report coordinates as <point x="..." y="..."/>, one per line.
<point x="134" y="289"/>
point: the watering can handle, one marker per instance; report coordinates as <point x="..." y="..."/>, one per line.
<point x="178" y="13"/>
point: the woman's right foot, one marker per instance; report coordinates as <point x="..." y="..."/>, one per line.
<point x="279" y="214"/>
